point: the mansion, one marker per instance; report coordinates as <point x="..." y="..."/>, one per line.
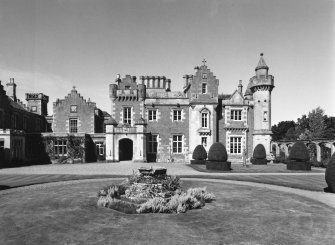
<point x="146" y="122"/>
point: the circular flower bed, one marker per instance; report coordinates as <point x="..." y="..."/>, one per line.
<point x="147" y="192"/>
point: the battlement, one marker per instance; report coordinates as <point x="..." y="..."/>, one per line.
<point x="37" y="96"/>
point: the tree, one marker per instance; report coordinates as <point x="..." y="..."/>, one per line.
<point x="279" y="131"/>
<point x="317" y="123"/>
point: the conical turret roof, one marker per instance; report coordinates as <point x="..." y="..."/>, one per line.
<point x="261" y="63"/>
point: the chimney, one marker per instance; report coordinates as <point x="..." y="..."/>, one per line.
<point x="240" y="86"/>
<point x="11" y="89"/>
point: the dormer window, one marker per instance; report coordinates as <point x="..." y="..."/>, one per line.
<point x="204" y="88"/>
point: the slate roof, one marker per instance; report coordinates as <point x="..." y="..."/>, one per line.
<point x="224" y="96"/>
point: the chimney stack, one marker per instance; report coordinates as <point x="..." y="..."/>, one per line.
<point x="11" y="89"/>
<point x="240" y="87"/>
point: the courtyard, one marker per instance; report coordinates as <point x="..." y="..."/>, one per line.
<point x="56" y="204"/>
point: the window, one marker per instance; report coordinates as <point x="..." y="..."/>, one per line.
<point x="204" y="75"/>
<point x="100" y="148"/>
<point x="265" y="116"/>
<point x="236" y="115"/>
<point x="127" y="115"/>
<point x="14" y="119"/>
<point x="152" y="115"/>
<point x="127" y="87"/>
<point x="204" y="88"/>
<point x="73" y="108"/>
<point x="34" y="108"/>
<point x="204" y="119"/>
<point x="177" y="144"/>
<point x="60" y="148"/>
<point x="152" y="141"/>
<point x="204" y="141"/>
<point x="235" y="145"/>
<point x="73" y="125"/>
<point x="177" y="115"/>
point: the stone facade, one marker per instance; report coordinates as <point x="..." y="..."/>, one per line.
<point x="148" y="121"/>
<point x="174" y="123"/>
<point x="18" y="126"/>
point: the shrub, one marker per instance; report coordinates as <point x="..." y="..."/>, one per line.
<point x="199" y="153"/>
<point x="259" y="152"/>
<point x="330" y="174"/>
<point x="299" y="152"/>
<point x="217" y="152"/>
<point x="179" y="203"/>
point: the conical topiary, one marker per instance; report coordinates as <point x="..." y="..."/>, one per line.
<point x="217" y="152"/>
<point x="217" y="158"/>
<point x="330" y="175"/>
<point x="259" y="155"/>
<point x="299" y="152"/>
<point x="199" y="155"/>
<point x="299" y="157"/>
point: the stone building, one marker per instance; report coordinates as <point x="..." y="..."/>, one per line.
<point x="149" y="122"/>
<point x="21" y="125"/>
<point x="146" y="122"/>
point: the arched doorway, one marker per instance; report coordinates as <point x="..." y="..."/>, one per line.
<point x="125" y="150"/>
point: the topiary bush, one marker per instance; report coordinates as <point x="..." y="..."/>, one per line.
<point x="217" y="158"/>
<point x="330" y="175"/>
<point x="217" y="152"/>
<point x="199" y="155"/>
<point x="299" y="157"/>
<point x="259" y="155"/>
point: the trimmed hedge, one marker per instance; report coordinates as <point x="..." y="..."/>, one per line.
<point x="330" y="175"/>
<point x="217" y="152"/>
<point x="299" y="152"/>
<point x="217" y="158"/>
<point x="259" y="152"/>
<point x="199" y="153"/>
<point x="259" y="155"/>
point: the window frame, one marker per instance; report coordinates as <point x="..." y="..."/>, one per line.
<point x="153" y="144"/>
<point x="205" y="120"/>
<point x="100" y="147"/>
<point x="71" y="126"/>
<point x="60" y="147"/>
<point x="177" y="143"/>
<point x="153" y="116"/>
<point x="204" y="88"/>
<point x="236" y="114"/>
<point x="235" y="145"/>
<point x="204" y="141"/>
<point x="127" y="115"/>
<point x="177" y="115"/>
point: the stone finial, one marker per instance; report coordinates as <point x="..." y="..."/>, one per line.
<point x="204" y="62"/>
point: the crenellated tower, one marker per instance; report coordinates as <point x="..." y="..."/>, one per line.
<point x="261" y="86"/>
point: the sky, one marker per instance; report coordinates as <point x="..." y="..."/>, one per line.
<point x="49" y="46"/>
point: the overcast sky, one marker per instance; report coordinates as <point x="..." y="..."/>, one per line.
<point x="49" y="46"/>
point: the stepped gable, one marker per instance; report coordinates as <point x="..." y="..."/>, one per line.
<point x="74" y="93"/>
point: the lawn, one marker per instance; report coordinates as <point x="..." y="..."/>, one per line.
<point x="67" y="214"/>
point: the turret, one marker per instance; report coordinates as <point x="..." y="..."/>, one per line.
<point x="261" y="86"/>
<point x="261" y="69"/>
